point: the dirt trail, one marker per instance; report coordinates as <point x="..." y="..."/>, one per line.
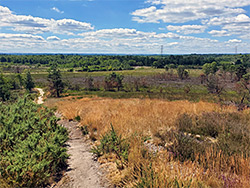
<point x="83" y="171"/>
<point x="40" y="98"/>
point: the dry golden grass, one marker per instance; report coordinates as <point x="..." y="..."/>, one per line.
<point x="149" y="117"/>
<point x="132" y="115"/>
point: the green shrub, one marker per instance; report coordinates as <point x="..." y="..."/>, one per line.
<point x="231" y="132"/>
<point x="207" y="124"/>
<point x="184" y="123"/>
<point x="185" y="147"/>
<point x="84" y="130"/>
<point x="31" y="144"/>
<point x="77" y="118"/>
<point x="149" y="178"/>
<point x="111" y="142"/>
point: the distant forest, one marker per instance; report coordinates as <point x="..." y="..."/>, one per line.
<point x="92" y="63"/>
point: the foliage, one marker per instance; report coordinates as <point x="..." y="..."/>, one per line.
<point x="111" y="142"/>
<point x="149" y="178"/>
<point x="15" y="82"/>
<point x="29" y="84"/>
<point x="240" y="71"/>
<point x="31" y="149"/>
<point x="55" y="80"/>
<point x="166" y="67"/>
<point x="210" y="68"/>
<point x="230" y="129"/>
<point x="90" y="84"/>
<point x="185" y="147"/>
<point x="182" y="73"/>
<point x="77" y="118"/>
<point x="112" y="81"/>
<point x="243" y="89"/>
<point x="214" y="84"/>
<point x="4" y="88"/>
<point x="84" y="130"/>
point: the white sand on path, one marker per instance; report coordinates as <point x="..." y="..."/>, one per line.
<point x="83" y="171"/>
<point x="40" y="98"/>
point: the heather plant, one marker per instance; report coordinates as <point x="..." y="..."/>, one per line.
<point x="184" y="147"/>
<point x="231" y="131"/>
<point x="206" y="125"/>
<point x="31" y="149"/>
<point x="90" y="83"/>
<point x="201" y="144"/>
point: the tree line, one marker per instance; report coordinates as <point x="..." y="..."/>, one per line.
<point x="91" y="63"/>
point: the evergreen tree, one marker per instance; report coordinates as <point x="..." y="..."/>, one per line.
<point x="240" y="71"/>
<point x="113" y="80"/>
<point x="31" y="149"/>
<point x="4" y="89"/>
<point x="29" y="84"/>
<point x="182" y="73"/>
<point x="55" y="80"/>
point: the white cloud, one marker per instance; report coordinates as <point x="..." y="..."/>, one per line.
<point x="53" y="38"/>
<point x="119" y="40"/>
<point x="34" y="25"/>
<point x="117" y="33"/>
<point x="239" y="19"/>
<point x="219" y="33"/>
<point x="4" y="11"/>
<point x="113" y="43"/>
<point x="179" y="11"/>
<point x="167" y="36"/>
<point x="237" y="25"/>
<point x="187" y="29"/>
<point x="229" y="15"/>
<point x="125" y="40"/>
<point x="20" y="37"/>
<point x="57" y="10"/>
<point x="234" y="41"/>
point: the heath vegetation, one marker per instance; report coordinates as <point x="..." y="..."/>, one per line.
<point x="155" y="121"/>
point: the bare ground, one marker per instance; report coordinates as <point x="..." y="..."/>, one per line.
<point x="40" y="98"/>
<point x="83" y="171"/>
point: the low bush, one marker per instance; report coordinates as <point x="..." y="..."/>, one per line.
<point x="186" y="147"/>
<point x="84" y="130"/>
<point x="231" y="130"/>
<point x="31" y="149"/>
<point x="208" y="124"/>
<point x="111" y="142"/>
<point x="77" y="118"/>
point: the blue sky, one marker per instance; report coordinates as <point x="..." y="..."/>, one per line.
<point x="124" y="26"/>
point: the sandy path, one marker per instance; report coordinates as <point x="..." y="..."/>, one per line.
<point x="83" y="171"/>
<point x="40" y="98"/>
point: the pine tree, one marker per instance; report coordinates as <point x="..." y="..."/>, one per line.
<point x="55" y="80"/>
<point x="113" y="80"/>
<point x="4" y="89"/>
<point x="29" y="84"/>
<point x="31" y="149"/>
